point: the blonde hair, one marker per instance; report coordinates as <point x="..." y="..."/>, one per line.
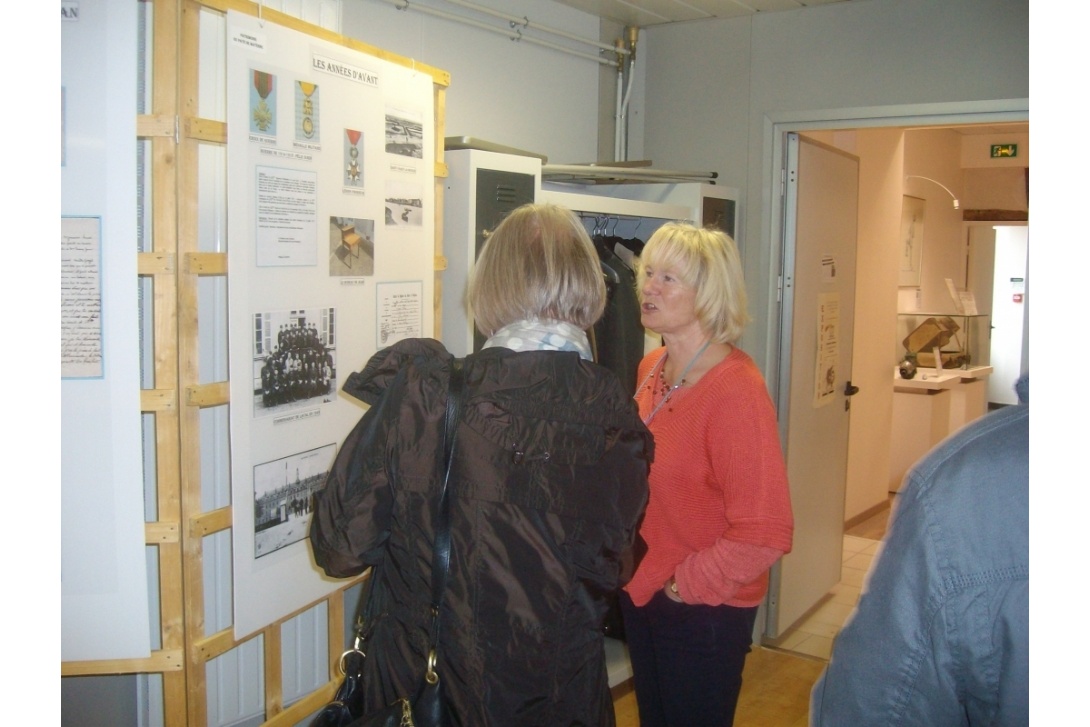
<point x="538" y="263"/>
<point x="707" y="260"/>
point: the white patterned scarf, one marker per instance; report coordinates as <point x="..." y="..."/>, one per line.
<point x="541" y="335"/>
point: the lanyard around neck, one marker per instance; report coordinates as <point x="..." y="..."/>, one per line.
<point x="680" y="379"/>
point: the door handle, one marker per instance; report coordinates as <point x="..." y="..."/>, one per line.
<point x="850" y="390"/>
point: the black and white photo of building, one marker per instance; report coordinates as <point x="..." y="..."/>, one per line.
<point x="283" y="497"/>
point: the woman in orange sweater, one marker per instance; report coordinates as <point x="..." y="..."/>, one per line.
<point x="719" y="513"/>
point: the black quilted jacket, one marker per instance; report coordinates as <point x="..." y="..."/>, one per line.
<point x="549" y="481"/>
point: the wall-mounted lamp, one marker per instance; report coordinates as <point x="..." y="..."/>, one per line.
<point x="916" y="176"/>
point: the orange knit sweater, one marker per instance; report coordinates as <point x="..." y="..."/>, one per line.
<point x="719" y="513"/>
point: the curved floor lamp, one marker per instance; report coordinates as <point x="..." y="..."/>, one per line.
<point x="929" y="179"/>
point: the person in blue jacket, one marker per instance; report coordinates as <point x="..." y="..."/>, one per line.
<point x="941" y="632"/>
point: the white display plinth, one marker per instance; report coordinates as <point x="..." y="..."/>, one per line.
<point x="930" y="407"/>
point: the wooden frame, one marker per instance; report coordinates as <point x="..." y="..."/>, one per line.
<point x="175" y="266"/>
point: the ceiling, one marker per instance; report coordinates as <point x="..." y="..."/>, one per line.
<point x="644" y="13"/>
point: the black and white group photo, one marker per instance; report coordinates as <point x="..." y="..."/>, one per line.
<point x="295" y="361"/>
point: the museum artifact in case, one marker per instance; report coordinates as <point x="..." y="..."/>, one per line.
<point x="961" y="340"/>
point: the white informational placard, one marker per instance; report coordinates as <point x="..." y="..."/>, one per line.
<point x="828" y="349"/>
<point x="81" y="298"/>
<point x="330" y="156"/>
<point x="104" y="576"/>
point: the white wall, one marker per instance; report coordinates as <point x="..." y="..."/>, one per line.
<point x="512" y="93"/>
<point x="882" y="155"/>
<point x="1008" y="315"/>
<point x="936" y="154"/>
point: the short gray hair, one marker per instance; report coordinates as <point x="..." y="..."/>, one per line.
<point x="538" y="263"/>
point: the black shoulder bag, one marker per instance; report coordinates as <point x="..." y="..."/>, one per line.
<point x="427" y="708"/>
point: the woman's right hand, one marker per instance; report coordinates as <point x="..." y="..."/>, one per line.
<point x="670" y="589"/>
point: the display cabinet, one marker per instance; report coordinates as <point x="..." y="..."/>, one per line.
<point x="962" y="340"/>
<point x="482" y="187"/>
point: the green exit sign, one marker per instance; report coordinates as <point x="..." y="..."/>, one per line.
<point x="1004" y="151"/>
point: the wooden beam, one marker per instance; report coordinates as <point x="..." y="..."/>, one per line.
<point x="164" y="192"/>
<point x="205" y="395"/>
<point x="439" y="77"/>
<point x="210" y="522"/>
<point x="206" y="130"/>
<point x="152" y="125"/>
<point x="187" y="89"/>
<point x="995" y="216"/>
<point x="207" y="648"/>
<point x="335" y="632"/>
<point x="158" y="400"/>
<point x="300" y="709"/>
<point x="161" y="532"/>
<point x="206" y="263"/>
<point x="163" y="661"/>
<point x="154" y="263"/>
<point x="274" y="673"/>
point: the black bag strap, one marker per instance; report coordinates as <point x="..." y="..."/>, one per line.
<point x="441" y="557"/>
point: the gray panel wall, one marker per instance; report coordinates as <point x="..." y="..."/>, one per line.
<point x="712" y="87"/>
<point x="511" y="93"/>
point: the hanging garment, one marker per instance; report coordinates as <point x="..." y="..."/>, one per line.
<point x="619" y="333"/>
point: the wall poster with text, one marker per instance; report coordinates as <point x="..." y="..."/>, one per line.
<point x="330" y="165"/>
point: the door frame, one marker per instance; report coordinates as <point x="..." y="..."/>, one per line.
<point x="774" y="134"/>
<point x="776" y="127"/>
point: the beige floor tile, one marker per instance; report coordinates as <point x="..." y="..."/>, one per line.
<point x="858" y="561"/>
<point x="791" y="639"/>
<point x="832" y="613"/>
<point x="857" y="545"/>
<point x="853" y="577"/>
<point x="819" y="646"/>
<point x="817" y="627"/>
<point x="846" y="594"/>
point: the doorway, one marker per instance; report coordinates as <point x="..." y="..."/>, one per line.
<point x="877" y="285"/>
<point x="998" y="273"/>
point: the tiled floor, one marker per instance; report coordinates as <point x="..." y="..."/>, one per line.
<point x="813" y="636"/>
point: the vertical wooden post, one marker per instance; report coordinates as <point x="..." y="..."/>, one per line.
<point x="440" y="190"/>
<point x="165" y="39"/>
<point x="188" y="358"/>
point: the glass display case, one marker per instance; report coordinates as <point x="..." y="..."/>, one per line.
<point x="963" y="341"/>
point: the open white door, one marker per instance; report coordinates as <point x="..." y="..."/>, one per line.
<point x="821" y="194"/>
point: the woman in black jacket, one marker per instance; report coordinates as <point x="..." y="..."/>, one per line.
<point x="549" y="480"/>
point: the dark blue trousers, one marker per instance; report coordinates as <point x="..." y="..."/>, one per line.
<point x="687" y="660"/>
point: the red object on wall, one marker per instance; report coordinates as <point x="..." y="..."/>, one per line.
<point x="1017" y="297"/>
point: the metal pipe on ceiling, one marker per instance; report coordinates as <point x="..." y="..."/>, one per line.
<point x="527" y="23"/>
<point x="513" y="34"/>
